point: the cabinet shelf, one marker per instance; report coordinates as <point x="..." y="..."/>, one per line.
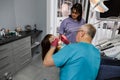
<point x="35" y="44"/>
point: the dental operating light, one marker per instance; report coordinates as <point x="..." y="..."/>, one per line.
<point x="98" y="5"/>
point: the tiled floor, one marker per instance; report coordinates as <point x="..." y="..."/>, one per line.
<point x="36" y="71"/>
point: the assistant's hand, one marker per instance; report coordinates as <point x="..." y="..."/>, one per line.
<point x="64" y="39"/>
<point x="54" y="43"/>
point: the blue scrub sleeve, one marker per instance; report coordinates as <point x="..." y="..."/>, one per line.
<point x="61" y="56"/>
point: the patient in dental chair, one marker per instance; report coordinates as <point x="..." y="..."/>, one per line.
<point x="47" y="41"/>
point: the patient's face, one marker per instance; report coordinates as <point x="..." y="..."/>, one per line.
<point x="52" y="38"/>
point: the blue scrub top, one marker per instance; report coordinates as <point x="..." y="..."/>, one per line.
<point x="78" y="61"/>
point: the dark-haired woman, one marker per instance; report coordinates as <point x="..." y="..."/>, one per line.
<point x="46" y="44"/>
<point x="47" y="41"/>
<point x="70" y="25"/>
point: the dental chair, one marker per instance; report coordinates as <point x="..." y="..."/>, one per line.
<point x="109" y="69"/>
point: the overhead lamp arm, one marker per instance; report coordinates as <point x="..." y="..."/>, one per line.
<point x="98" y="5"/>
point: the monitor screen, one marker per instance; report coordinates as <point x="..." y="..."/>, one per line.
<point x="113" y="12"/>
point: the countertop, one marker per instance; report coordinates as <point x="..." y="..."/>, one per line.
<point x="23" y="34"/>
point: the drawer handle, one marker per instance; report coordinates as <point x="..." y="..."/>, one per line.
<point x="4" y="66"/>
<point x="25" y="54"/>
<point x="3" y="58"/>
<point x="25" y="61"/>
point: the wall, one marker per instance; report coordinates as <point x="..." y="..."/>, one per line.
<point x="25" y="12"/>
<point x="41" y="6"/>
<point x="14" y="13"/>
<point x="7" y="14"/>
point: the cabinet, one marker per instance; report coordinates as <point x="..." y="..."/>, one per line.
<point x="22" y="52"/>
<point x="6" y="59"/>
<point x="35" y="41"/>
<point x="15" y="55"/>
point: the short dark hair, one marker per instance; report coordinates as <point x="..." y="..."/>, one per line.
<point x="78" y="8"/>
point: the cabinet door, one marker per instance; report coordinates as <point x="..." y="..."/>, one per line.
<point x="22" y="60"/>
<point x="6" y="59"/>
<point x="5" y="50"/>
<point x="22" y="52"/>
<point x="22" y="42"/>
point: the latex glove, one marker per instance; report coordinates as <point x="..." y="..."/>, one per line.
<point x="55" y="42"/>
<point x="64" y="39"/>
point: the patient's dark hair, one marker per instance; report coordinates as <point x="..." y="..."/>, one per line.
<point x="45" y="44"/>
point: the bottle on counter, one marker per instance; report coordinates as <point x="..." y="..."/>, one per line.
<point x="2" y="32"/>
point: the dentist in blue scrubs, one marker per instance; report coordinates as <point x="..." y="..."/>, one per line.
<point x="77" y="61"/>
